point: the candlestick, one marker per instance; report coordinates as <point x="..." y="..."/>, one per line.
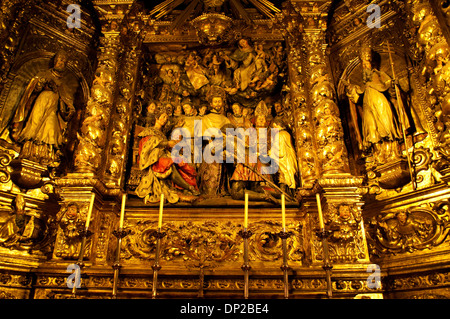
<point x="327" y="266"/>
<point x="283" y="212"/>
<point x="319" y="207"/>
<point x="246" y="211"/>
<point x="285" y="267"/>
<point x="161" y="206"/>
<point x="122" y="211"/>
<point x="91" y="207"/>
<point x="156" y="266"/>
<point x="246" y="234"/>
<point x="120" y="234"/>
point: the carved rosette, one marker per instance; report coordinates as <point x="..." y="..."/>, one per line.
<point x="93" y="132"/>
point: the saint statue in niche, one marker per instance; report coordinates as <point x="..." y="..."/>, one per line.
<point x="40" y="120"/>
<point x="380" y="127"/>
<point x="384" y="112"/>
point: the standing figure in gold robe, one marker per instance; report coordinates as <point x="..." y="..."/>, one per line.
<point x="380" y="127"/>
<point x="42" y="115"/>
<point x="287" y="159"/>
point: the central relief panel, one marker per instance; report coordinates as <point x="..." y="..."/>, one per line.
<point x="213" y="123"/>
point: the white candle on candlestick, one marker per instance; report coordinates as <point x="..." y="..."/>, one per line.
<point x="91" y="207"/>
<point x="161" y="205"/>
<point x="246" y="211"/>
<point x="319" y="207"/>
<point x="283" y="212"/>
<point x="122" y="211"/>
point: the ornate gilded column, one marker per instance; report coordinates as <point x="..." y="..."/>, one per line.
<point x="93" y="133"/>
<point x="429" y="48"/>
<point x="106" y="119"/>
<point x="75" y="189"/>
<point x="329" y="134"/>
<point x="322" y="152"/>
<point x="319" y="133"/>
<point x="12" y="16"/>
<point x="121" y="118"/>
<point x="305" y="142"/>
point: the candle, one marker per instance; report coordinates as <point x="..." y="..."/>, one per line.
<point x="283" y="212"/>
<point x="91" y="207"/>
<point x="319" y="207"/>
<point x="161" y="205"/>
<point x="122" y="211"/>
<point x="246" y="211"/>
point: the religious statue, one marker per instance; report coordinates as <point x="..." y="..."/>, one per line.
<point x="187" y="122"/>
<point x="211" y="173"/>
<point x="216" y="117"/>
<point x="161" y="172"/>
<point x="280" y="113"/>
<point x="40" y="121"/>
<point x="150" y="118"/>
<point x="249" y="177"/>
<point x="71" y="224"/>
<point x="402" y="230"/>
<point x="200" y="86"/>
<point x="18" y="228"/>
<point x="243" y="62"/>
<point x="219" y="75"/>
<point x="237" y="118"/>
<point x="380" y="127"/>
<point x="286" y="156"/>
<point x="345" y="225"/>
<point x="195" y="72"/>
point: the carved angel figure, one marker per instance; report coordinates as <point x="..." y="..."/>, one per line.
<point x="403" y="231"/>
<point x="345" y="226"/>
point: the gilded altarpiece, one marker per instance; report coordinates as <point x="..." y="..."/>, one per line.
<point x="361" y="112"/>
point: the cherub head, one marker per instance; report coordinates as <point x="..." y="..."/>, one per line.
<point x="72" y="211"/>
<point x="344" y="211"/>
